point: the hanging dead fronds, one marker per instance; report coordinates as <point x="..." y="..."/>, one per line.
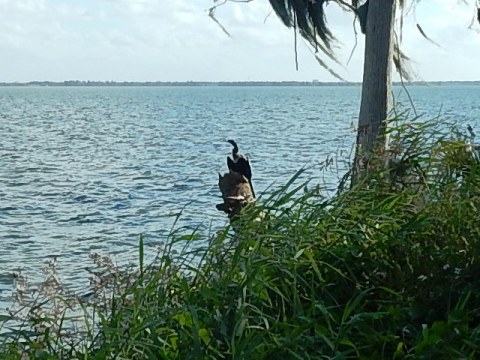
<point x="308" y="17"/>
<point x="425" y="36"/>
<point x="400" y="60"/>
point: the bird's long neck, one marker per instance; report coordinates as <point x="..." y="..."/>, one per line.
<point x="235" y="152"/>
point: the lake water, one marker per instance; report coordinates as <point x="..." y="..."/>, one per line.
<point x="90" y="169"/>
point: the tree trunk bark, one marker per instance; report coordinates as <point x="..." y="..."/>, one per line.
<point x="377" y="83"/>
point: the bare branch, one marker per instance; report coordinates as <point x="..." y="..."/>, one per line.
<point x="347" y="5"/>
<point x="356" y="41"/>
<point x="295" y="41"/>
<point x="268" y="15"/>
<point x="211" y="13"/>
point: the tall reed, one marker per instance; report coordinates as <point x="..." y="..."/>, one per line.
<point x="387" y="269"/>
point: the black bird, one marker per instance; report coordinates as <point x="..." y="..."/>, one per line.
<point x="240" y="164"/>
<point x="470" y="130"/>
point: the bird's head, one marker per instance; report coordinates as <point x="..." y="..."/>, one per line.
<point x="232" y="142"/>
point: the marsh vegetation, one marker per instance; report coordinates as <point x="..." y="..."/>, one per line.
<point x="386" y="269"/>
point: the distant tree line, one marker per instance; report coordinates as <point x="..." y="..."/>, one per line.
<point x="217" y="83"/>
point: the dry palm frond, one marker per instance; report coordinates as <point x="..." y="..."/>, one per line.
<point x="283" y="12"/>
<point x="308" y="16"/>
<point x="425" y="35"/>
<point x="400" y="60"/>
<point x="326" y="67"/>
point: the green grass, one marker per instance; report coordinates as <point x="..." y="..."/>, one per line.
<point x="387" y="269"/>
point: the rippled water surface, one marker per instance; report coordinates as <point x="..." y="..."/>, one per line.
<point x="89" y="169"/>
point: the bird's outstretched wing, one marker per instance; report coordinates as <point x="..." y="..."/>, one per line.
<point x="230" y="164"/>
<point x="243" y="165"/>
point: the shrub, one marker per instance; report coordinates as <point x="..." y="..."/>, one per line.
<point x="385" y="269"/>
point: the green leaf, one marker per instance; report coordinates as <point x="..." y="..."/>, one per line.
<point x="298" y="254"/>
<point x="204" y="335"/>
<point x="140" y="254"/>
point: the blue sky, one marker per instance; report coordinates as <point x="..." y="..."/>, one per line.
<point x="175" y="40"/>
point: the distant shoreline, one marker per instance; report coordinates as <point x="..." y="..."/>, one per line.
<point x="217" y="83"/>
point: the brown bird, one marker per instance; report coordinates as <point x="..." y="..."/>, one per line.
<point x="240" y="164"/>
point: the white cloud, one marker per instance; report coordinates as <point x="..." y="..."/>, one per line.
<point x="176" y="40"/>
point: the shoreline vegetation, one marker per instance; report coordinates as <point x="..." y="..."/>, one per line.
<point x="221" y="83"/>
<point x="386" y="269"/>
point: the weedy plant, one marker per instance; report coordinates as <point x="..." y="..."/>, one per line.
<point x="387" y="269"/>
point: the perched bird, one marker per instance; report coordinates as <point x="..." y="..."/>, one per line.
<point x="470" y="130"/>
<point x="240" y="164"/>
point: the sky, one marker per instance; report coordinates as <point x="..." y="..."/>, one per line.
<point x="175" y="40"/>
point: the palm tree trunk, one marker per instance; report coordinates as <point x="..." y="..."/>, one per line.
<point x="377" y="83"/>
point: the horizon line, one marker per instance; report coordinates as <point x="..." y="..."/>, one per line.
<point x="220" y="82"/>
